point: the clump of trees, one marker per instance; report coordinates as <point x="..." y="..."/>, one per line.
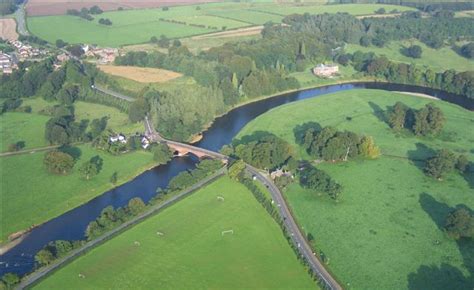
<point x="467" y="50"/>
<point x="429" y="120"/>
<point x="105" y="21"/>
<point x="9" y="280"/>
<point x="460" y="224"/>
<point x="413" y="51"/>
<point x="331" y="145"/>
<point x="161" y="153"/>
<point x="318" y="180"/>
<point x="264" y="150"/>
<point x="58" y="162"/>
<point x="110" y="218"/>
<point x="55" y="250"/>
<point x="187" y="178"/>
<point x="445" y="162"/>
<point x="91" y="167"/>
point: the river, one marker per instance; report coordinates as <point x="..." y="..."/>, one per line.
<point x="72" y="224"/>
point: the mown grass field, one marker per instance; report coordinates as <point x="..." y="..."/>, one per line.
<point x="437" y="59"/>
<point x="31" y="195"/>
<point x="192" y="253"/>
<point x="138" y="26"/>
<point x="29" y="128"/>
<point x="386" y="232"/>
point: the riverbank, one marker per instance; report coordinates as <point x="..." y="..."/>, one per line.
<point x="58" y="194"/>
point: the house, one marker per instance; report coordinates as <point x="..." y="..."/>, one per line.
<point x="63" y="57"/>
<point x="145" y="142"/>
<point x="118" y="138"/>
<point x="322" y="70"/>
<point x="280" y="173"/>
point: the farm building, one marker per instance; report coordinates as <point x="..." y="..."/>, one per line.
<point x="322" y="70"/>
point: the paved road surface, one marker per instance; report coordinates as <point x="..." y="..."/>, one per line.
<point x="293" y="229"/>
<point x="20" y="18"/>
<point x="112" y="93"/>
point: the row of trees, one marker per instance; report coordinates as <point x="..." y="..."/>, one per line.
<point x="55" y="250"/>
<point x="331" y="145"/>
<point x="428" y="120"/>
<point x="85" y="13"/>
<point x="461" y="83"/>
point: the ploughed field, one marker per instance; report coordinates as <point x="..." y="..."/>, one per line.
<point x="138" y="26"/>
<point x="387" y="230"/>
<point x="30" y="194"/>
<point x="183" y="248"/>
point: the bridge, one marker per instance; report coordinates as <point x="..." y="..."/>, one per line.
<point x="180" y="149"/>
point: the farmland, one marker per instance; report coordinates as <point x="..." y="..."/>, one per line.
<point x="35" y="195"/>
<point x="437" y="59"/>
<point x="192" y="253"/>
<point x="381" y="222"/>
<point x="138" y="26"/>
<point x="139" y="74"/>
<point x="8" y="29"/>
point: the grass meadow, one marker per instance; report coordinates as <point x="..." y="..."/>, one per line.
<point x="31" y="195"/>
<point x="436" y="59"/>
<point x="138" y="26"/>
<point x="386" y="232"/>
<point x="192" y="253"/>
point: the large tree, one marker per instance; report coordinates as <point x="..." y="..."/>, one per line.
<point x="58" y="162"/>
<point x="460" y="224"/>
<point x="441" y="164"/>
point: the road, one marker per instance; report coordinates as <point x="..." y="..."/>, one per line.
<point x="292" y="228"/>
<point x="112" y="93"/>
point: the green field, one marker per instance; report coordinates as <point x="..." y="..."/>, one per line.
<point x="192" y="253"/>
<point x="29" y="128"/>
<point x="138" y="26"/>
<point x="386" y="231"/>
<point x="30" y="195"/>
<point x="436" y="59"/>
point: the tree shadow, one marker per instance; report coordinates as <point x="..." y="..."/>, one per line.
<point x="419" y="155"/>
<point x="300" y="130"/>
<point x="75" y="152"/>
<point x="438" y="278"/>
<point x="379" y="112"/>
<point x="255" y="136"/>
<point x="438" y="211"/>
<point x="469" y="175"/>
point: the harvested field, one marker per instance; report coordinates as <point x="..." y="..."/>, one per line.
<point x="140" y="74"/>
<point x="59" y="7"/>
<point x="8" y="29"/>
<point x="232" y="33"/>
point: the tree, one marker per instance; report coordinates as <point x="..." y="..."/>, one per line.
<point x="89" y="169"/>
<point x="320" y="181"/>
<point x="136" y="205"/>
<point x="97" y="126"/>
<point x="364" y="41"/>
<point x="441" y="164"/>
<point x="380" y="11"/>
<point x="428" y="121"/>
<point x="44" y="257"/>
<point x="95" y="10"/>
<point x="164" y="41"/>
<point x="61" y="43"/>
<point x="58" y="162"/>
<point x="236" y="170"/>
<point x="114" y="178"/>
<point x="162" y="153"/>
<point x="460" y="224"/>
<point x="467" y="50"/>
<point x="10" y="279"/>
<point x="154" y="39"/>
<point x="414" y="51"/>
<point x="138" y="110"/>
<point x="76" y="50"/>
<point x="17" y="146"/>
<point x="397" y="116"/>
<point x="368" y="149"/>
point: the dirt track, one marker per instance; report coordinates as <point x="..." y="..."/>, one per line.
<point x="58" y="7"/>
<point x="8" y="29"/>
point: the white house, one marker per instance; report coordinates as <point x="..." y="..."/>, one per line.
<point x="322" y="70"/>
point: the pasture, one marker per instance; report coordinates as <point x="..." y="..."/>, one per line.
<point x="436" y="59"/>
<point x="138" y="26"/>
<point x="390" y="215"/>
<point x="184" y="247"/>
<point x="31" y="195"/>
<point x="140" y="74"/>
